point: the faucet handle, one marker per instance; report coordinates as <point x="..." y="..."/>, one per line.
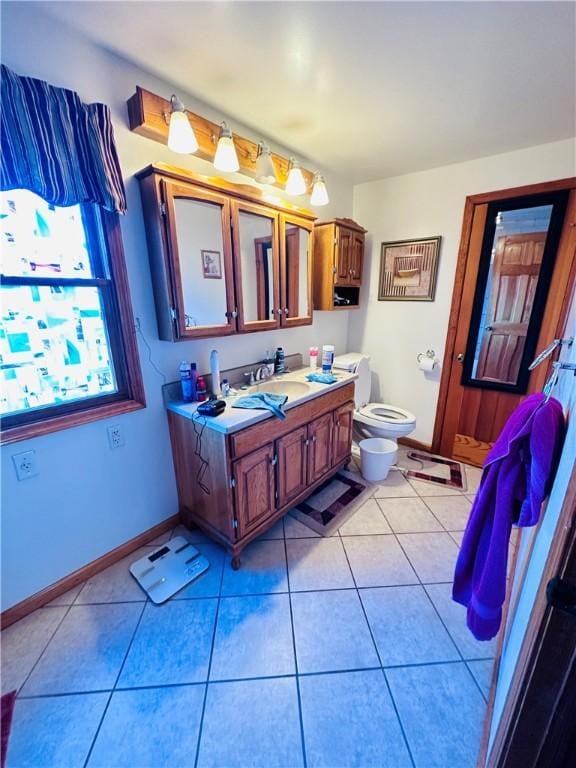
<point x="250" y="375"/>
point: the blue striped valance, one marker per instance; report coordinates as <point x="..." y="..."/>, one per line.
<point x="56" y="146"/>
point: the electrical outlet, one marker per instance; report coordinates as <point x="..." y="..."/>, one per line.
<point x="25" y="464"/>
<point x="115" y="437"/>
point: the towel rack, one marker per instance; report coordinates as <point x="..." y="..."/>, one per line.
<point x="548" y="351"/>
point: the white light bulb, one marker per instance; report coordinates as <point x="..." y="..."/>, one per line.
<point x="295" y="184"/>
<point x="226" y="158"/>
<point x="265" y="171"/>
<point x="181" y="136"/>
<point x="319" y="191"/>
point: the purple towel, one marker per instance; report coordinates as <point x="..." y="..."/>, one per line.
<point x="517" y="477"/>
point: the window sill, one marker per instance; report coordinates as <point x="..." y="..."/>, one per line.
<point x="58" y="423"/>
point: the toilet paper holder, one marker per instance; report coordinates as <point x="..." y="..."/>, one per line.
<point x="429" y="354"/>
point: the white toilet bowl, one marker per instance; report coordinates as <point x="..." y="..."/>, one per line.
<point x="373" y="419"/>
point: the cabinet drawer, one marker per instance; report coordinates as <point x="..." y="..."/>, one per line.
<point x="251" y="438"/>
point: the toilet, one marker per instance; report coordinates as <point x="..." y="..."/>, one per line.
<point x="373" y="419"/>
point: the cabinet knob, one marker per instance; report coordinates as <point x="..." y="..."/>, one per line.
<point x="279" y="311"/>
<point x="314" y="438"/>
<point x="286" y="311"/>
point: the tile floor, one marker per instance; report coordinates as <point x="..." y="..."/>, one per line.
<point x="337" y="652"/>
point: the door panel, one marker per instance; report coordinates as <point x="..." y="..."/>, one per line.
<point x="296" y="244"/>
<point x="498" y="314"/>
<point x="343" y="256"/>
<point x="356" y="259"/>
<point x="319" y="447"/>
<point x="254" y="489"/>
<point x="292" y="454"/>
<point x="343" y="421"/>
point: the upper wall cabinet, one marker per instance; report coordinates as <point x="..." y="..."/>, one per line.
<point x="223" y="259"/>
<point x="338" y="262"/>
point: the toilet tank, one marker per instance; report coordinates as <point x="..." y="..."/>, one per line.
<point x="359" y="364"/>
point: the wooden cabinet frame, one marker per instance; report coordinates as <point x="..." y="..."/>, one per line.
<point x="338" y="262"/>
<point x="160" y="185"/>
<point x="257" y="474"/>
<point x="171" y="191"/>
<point x="286" y="320"/>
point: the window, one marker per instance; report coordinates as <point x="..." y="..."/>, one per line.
<point x="67" y="350"/>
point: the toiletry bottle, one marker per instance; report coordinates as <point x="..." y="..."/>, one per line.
<point x="194" y="381"/>
<point x="186" y="381"/>
<point x="279" y="366"/>
<point x="327" y="358"/>
<point x="269" y="363"/>
<point x="313" y="357"/>
<point x="201" y="392"/>
<point x="225" y="387"/>
<point x="215" y="373"/>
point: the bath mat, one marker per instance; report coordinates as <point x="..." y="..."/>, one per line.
<point x="332" y="503"/>
<point x="454" y="478"/>
<point x="7" y="710"/>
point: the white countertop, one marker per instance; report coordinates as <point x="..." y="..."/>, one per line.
<point x="234" y="419"/>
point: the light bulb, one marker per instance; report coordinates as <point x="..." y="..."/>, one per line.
<point x="226" y="158"/>
<point x="265" y="171"/>
<point x="181" y="137"/>
<point x="295" y="184"/>
<point x="319" y="191"/>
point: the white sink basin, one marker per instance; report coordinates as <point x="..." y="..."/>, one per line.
<point x="292" y="389"/>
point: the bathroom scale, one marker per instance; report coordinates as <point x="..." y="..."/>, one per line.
<point x="169" y="569"/>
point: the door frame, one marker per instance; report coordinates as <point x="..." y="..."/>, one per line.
<point x="552" y="322"/>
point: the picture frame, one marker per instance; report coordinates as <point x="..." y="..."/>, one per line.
<point x="211" y="265"/>
<point x="409" y="269"/>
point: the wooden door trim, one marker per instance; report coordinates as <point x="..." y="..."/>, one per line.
<point x="170" y="190"/>
<point x="532" y="649"/>
<point x="236" y="207"/>
<point x="568" y="234"/>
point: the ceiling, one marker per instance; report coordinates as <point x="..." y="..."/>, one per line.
<point x="367" y="89"/>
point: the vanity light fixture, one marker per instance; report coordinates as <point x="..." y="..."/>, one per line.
<point x="319" y="191"/>
<point x="181" y="137"/>
<point x="265" y="171"/>
<point x="295" y="184"/>
<point x="226" y="158"/>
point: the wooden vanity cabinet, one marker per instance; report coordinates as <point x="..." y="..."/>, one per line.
<point x="338" y="263"/>
<point x="254" y="476"/>
<point x="223" y="258"/>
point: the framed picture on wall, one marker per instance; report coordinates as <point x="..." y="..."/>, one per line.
<point x="211" y="265"/>
<point x="408" y="270"/>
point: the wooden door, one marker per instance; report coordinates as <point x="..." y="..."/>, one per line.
<point x="343" y="255"/>
<point x="254" y="488"/>
<point x="471" y="410"/>
<point x="256" y="265"/>
<point x="515" y="274"/>
<point x="319" y="447"/>
<point x="342" y="440"/>
<point x="292" y="461"/>
<point x="296" y="255"/>
<point x="357" y="257"/>
<point x="200" y="264"/>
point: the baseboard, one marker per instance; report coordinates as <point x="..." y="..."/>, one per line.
<point x="416" y="444"/>
<point x="18" y="611"/>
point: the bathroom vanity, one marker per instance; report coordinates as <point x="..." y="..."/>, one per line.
<point x="248" y="467"/>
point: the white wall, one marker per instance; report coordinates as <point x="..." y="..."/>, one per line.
<point x="421" y="205"/>
<point x="88" y="499"/>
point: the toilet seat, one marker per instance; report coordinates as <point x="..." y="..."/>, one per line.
<point x="384" y="415"/>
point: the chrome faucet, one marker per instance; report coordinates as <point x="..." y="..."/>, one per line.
<point x="262" y="373"/>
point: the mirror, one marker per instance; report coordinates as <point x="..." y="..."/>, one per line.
<point x="201" y="261"/>
<point x="518" y="252"/>
<point x="296" y="266"/>
<point x="256" y="237"/>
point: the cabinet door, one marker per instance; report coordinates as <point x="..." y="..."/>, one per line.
<point x="319" y="447"/>
<point x="257" y="266"/>
<point x="292" y="452"/>
<point x="343" y="422"/>
<point x="296" y="271"/>
<point x="200" y="260"/>
<point x="254" y="488"/>
<point x="357" y="257"/>
<point x="343" y="256"/>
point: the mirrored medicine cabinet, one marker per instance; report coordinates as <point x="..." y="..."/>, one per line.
<point x="223" y="259"/>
